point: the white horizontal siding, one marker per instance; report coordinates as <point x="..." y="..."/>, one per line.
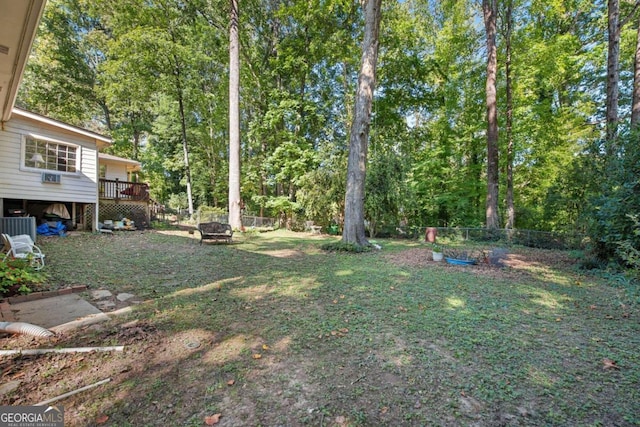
<point x="22" y="184"/>
<point x="115" y="170"/>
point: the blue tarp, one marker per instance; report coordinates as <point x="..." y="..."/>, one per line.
<point x="50" y="230"/>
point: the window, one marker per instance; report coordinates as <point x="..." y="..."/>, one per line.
<point x="48" y="155"/>
<point x="103" y="171"/>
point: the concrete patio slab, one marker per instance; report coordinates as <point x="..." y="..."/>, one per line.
<point x="55" y="311"/>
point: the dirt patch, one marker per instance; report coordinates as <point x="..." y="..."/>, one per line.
<point x="511" y="263"/>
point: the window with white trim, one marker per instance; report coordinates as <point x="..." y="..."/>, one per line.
<point x="49" y="155"/>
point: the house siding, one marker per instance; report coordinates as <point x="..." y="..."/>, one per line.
<point x="115" y="170"/>
<point x="16" y="183"/>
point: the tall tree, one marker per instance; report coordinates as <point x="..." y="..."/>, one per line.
<point x="508" y="26"/>
<point x="635" y="103"/>
<point x="354" y="230"/>
<point x="613" y="73"/>
<point x="490" y="12"/>
<point x="235" y="218"/>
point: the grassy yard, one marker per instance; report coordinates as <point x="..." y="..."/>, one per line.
<point x="272" y="331"/>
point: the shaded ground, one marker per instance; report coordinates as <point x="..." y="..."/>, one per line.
<point x="510" y="263"/>
<point x="272" y="331"/>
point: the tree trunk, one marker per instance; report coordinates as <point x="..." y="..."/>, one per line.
<point x="635" y="108"/>
<point x="235" y="219"/>
<point x="183" y="127"/>
<point x="490" y="12"/>
<point x="354" y="230"/>
<point x="511" y="213"/>
<point x="613" y="75"/>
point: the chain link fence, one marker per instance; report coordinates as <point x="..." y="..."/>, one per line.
<point x="530" y="238"/>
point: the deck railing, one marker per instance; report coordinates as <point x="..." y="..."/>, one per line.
<point x="123" y="190"/>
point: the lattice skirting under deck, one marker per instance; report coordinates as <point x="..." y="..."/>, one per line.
<point x="116" y="212"/>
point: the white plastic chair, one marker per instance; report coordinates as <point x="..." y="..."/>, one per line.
<point x="23" y="247"/>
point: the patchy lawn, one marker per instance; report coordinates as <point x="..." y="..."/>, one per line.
<point x="272" y="331"/>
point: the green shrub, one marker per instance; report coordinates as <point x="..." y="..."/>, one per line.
<point x="17" y="275"/>
<point x="591" y="262"/>
<point x="250" y="234"/>
<point x="628" y="250"/>
<point x="212" y="210"/>
<point x="163" y="225"/>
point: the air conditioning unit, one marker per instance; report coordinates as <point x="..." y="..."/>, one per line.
<point x="51" y="178"/>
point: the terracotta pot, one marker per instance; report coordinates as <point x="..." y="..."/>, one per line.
<point x="431" y="234"/>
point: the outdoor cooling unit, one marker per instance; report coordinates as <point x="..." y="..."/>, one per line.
<point x="51" y="178"/>
<point x="16" y="226"/>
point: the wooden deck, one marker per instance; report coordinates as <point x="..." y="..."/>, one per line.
<point x="123" y="190"/>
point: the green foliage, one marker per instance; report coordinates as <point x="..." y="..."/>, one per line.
<point x="384" y="190"/>
<point x="61" y="74"/>
<point x="163" y="225"/>
<point x="629" y="248"/>
<point x="321" y="192"/>
<point x="613" y="229"/>
<point x="204" y="209"/>
<point x="282" y="205"/>
<point x="121" y="68"/>
<point x="210" y="213"/>
<point x="17" y="275"/>
<point x="178" y="201"/>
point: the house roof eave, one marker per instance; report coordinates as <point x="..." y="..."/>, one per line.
<point x="132" y="165"/>
<point x="101" y="140"/>
<point x="19" y="24"/>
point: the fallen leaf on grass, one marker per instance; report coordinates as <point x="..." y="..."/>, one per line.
<point x="231" y="382"/>
<point x="257" y="356"/>
<point x="593" y="307"/>
<point x="212" y="419"/>
<point x="384" y="410"/>
<point x="102" y="418"/>
<point x="609" y="364"/>
<point x="265" y="347"/>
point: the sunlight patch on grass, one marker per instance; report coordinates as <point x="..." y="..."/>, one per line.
<point x="295" y="287"/>
<point x="548" y="299"/>
<point x="455" y="303"/>
<point x="230" y="349"/>
<point x="209" y="287"/>
<point x="540" y="377"/>
<point x="540" y="271"/>
<point x="344" y="273"/>
<point x="283" y="253"/>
